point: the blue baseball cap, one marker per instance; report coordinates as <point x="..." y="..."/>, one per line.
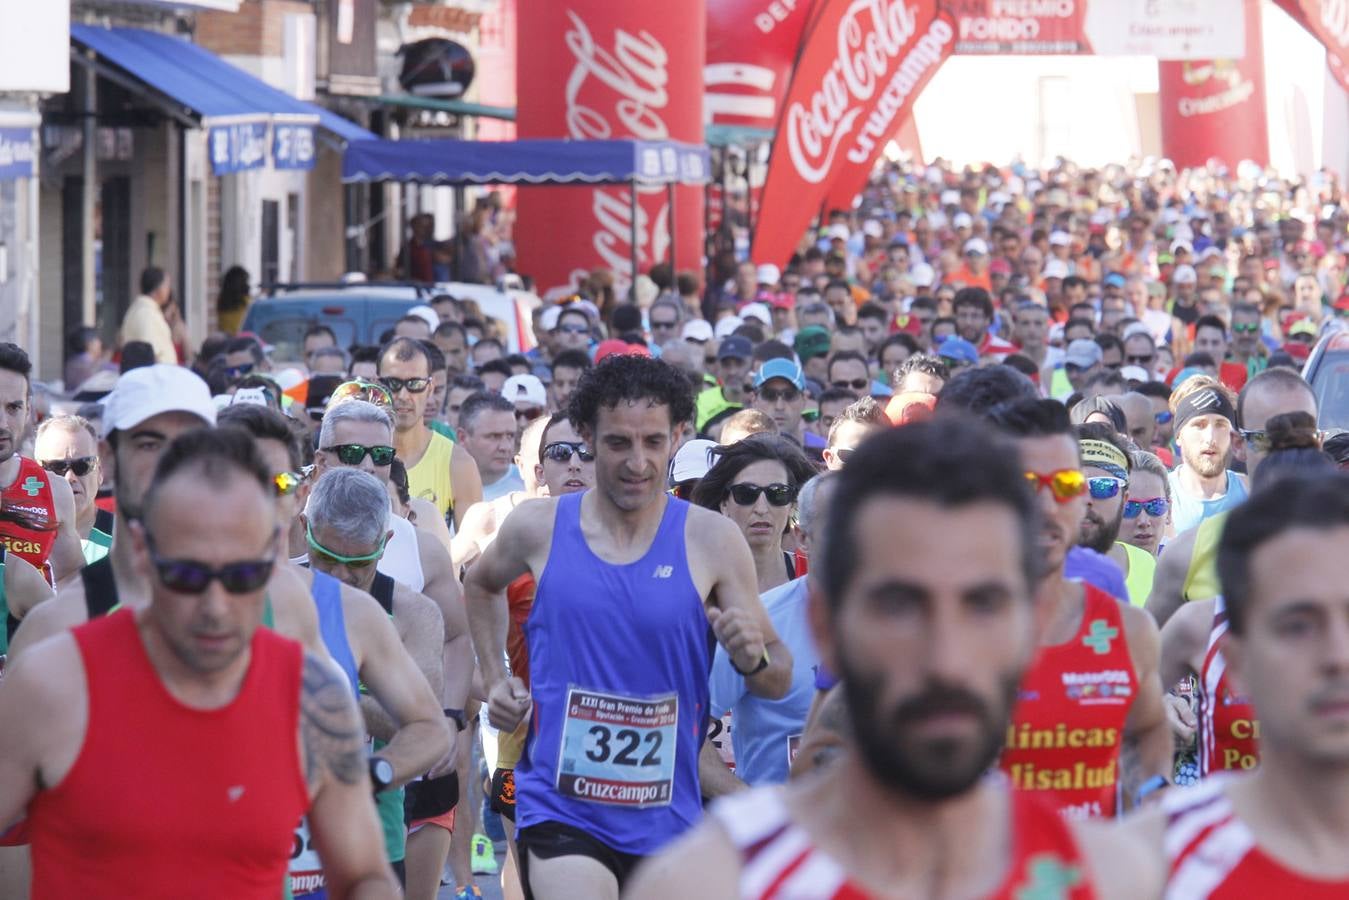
<point x="958" y="349"/>
<point x="735" y="346"/>
<point x="1114" y="279"/>
<point x="780" y="368"/>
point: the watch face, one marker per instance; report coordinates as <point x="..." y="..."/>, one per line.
<point x="383" y="771"/>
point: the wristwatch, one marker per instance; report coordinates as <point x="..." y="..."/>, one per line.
<point x="456" y="716"/>
<point x="763" y="664"/>
<point x="381" y="773"/>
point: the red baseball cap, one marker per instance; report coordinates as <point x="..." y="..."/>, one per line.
<point x="615" y="347"/>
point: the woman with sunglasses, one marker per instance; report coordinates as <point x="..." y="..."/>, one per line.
<point x="754" y="483"/>
<point x="1147" y="511"/>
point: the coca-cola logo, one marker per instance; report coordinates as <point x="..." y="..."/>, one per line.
<point x="1335" y="20"/>
<point x="870" y="37"/>
<point x="635" y="72"/>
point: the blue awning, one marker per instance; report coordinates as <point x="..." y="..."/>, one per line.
<point x="237" y="108"/>
<point x="526" y="162"/>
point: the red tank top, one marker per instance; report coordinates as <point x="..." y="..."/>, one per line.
<point x="779" y="861"/>
<point x="29" y="494"/>
<point x="1212" y="855"/>
<point x="1228" y="729"/>
<point x="519" y="602"/>
<point x="1068" y="725"/>
<point x="165" y="801"/>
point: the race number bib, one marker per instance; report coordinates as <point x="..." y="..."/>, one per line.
<point x="618" y="750"/>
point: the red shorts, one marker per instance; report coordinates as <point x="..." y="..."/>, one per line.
<point x="445" y="820"/>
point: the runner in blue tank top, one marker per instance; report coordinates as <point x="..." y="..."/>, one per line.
<point x="633" y="587"/>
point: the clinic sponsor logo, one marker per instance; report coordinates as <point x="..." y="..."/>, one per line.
<point x="1104" y="686"/>
<point x="873" y="53"/>
<point x="614" y="93"/>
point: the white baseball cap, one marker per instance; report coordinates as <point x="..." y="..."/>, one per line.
<point x="838" y="231"/>
<point x="756" y="311"/>
<point x="1184" y="275"/>
<point x="923" y="275"/>
<point x="1060" y="239"/>
<point x="697" y="330"/>
<point x="872" y="228"/>
<point x="148" y="391"/>
<point x="525" y="388"/>
<point x="767" y="273"/>
<point x="963" y="220"/>
<point x="1056" y="268"/>
<point x="426" y="314"/>
<point x="950" y="197"/>
<point x="1134" y="373"/>
<point x="693" y="460"/>
<point x="727" y="325"/>
<point x="548" y="318"/>
<point x="976" y="245"/>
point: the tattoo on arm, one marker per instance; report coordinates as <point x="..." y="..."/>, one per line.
<point x="329" y="726"/>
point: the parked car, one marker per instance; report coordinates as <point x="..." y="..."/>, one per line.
<point x="358" y="313"/>
<point x="1327" y="371"/>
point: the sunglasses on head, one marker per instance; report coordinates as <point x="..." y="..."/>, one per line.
<point x="360" y="389"/>
<point x="413" y="385"/>
<point x="746" y="494"/>
<point x="1155" y="506"/>
<point x="1104" y="487"/>
<point x="857" y="384"/>
<point x="190" y="576"/>
<point x="285" y="483"/>
<point x="773" y="395"/>
<point x="81" y="467"/>
<point x="352" y="454"/>
<point x="561" y="451"/>
<point x="1065" y="484"/>
<point x="573" y="329"/>
<point x="325" y="556"/>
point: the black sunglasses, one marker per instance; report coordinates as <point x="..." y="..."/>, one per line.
<point x="773" y="395"/>
<point x="81" y="467"/>
<point x="352" y="454"/>
<point x="655" y="324"/>
<point x="857" y="384"/>
<point x="747" y="494"/>
<point x="1139" y="360"/>
<point x="561" y="451"/>
<point x="190" y="576"/>
<point x="414" y="385"/>
<point x="240" y="371"/>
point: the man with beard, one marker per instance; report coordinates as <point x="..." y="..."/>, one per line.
<point x="1204" y="416"/>
<point x="1105" y="462"/>
<point x="1090" y="724"/>
<point x="1279" y="831"/>
<point x="931" y="643"/>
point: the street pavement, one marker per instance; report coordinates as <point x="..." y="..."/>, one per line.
<point x="490" y="885"/>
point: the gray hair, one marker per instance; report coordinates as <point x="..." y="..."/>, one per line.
<point x="351" y="411"/>
<point x="351" y="503"/>
<point x="1143" y="461"/>
<point x="810" y="506"/>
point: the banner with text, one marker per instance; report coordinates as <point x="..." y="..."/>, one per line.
<point x="751" y="46"/>
<point x="597" y="69"/>
<point x="1018" y="26"/>
<point x="861" y="66"/>
<point x="1166" y="29"/>
<point x="1216" y="107"/>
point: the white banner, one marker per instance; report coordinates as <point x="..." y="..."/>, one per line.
<point x="1167" y="29"/>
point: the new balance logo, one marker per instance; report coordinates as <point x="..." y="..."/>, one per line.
<point x="663" y="572"/>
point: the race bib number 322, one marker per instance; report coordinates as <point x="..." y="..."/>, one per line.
<point x="618" y="750"/>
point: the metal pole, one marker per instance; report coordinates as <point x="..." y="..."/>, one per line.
<point x="186" y="290"/>
<point x="632" y="288"/>
<point x="88" y="202"/>
<point x="670" y="192"/>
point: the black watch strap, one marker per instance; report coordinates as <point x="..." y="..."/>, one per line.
<point x="763" y="664"/>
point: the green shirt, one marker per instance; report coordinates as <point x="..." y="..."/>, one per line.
<point x="443" y="430"/>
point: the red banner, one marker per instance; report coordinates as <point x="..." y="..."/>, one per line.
<point x="593" y="69"/>
<point x="751" y="45"/>
<point x="1216" y="107"/>
<point x="1018" y="26"/>
<point x="1328" y="21"/>
<point x="861" y="66"/>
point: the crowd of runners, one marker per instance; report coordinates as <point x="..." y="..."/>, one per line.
<point x="903" y="570"/>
